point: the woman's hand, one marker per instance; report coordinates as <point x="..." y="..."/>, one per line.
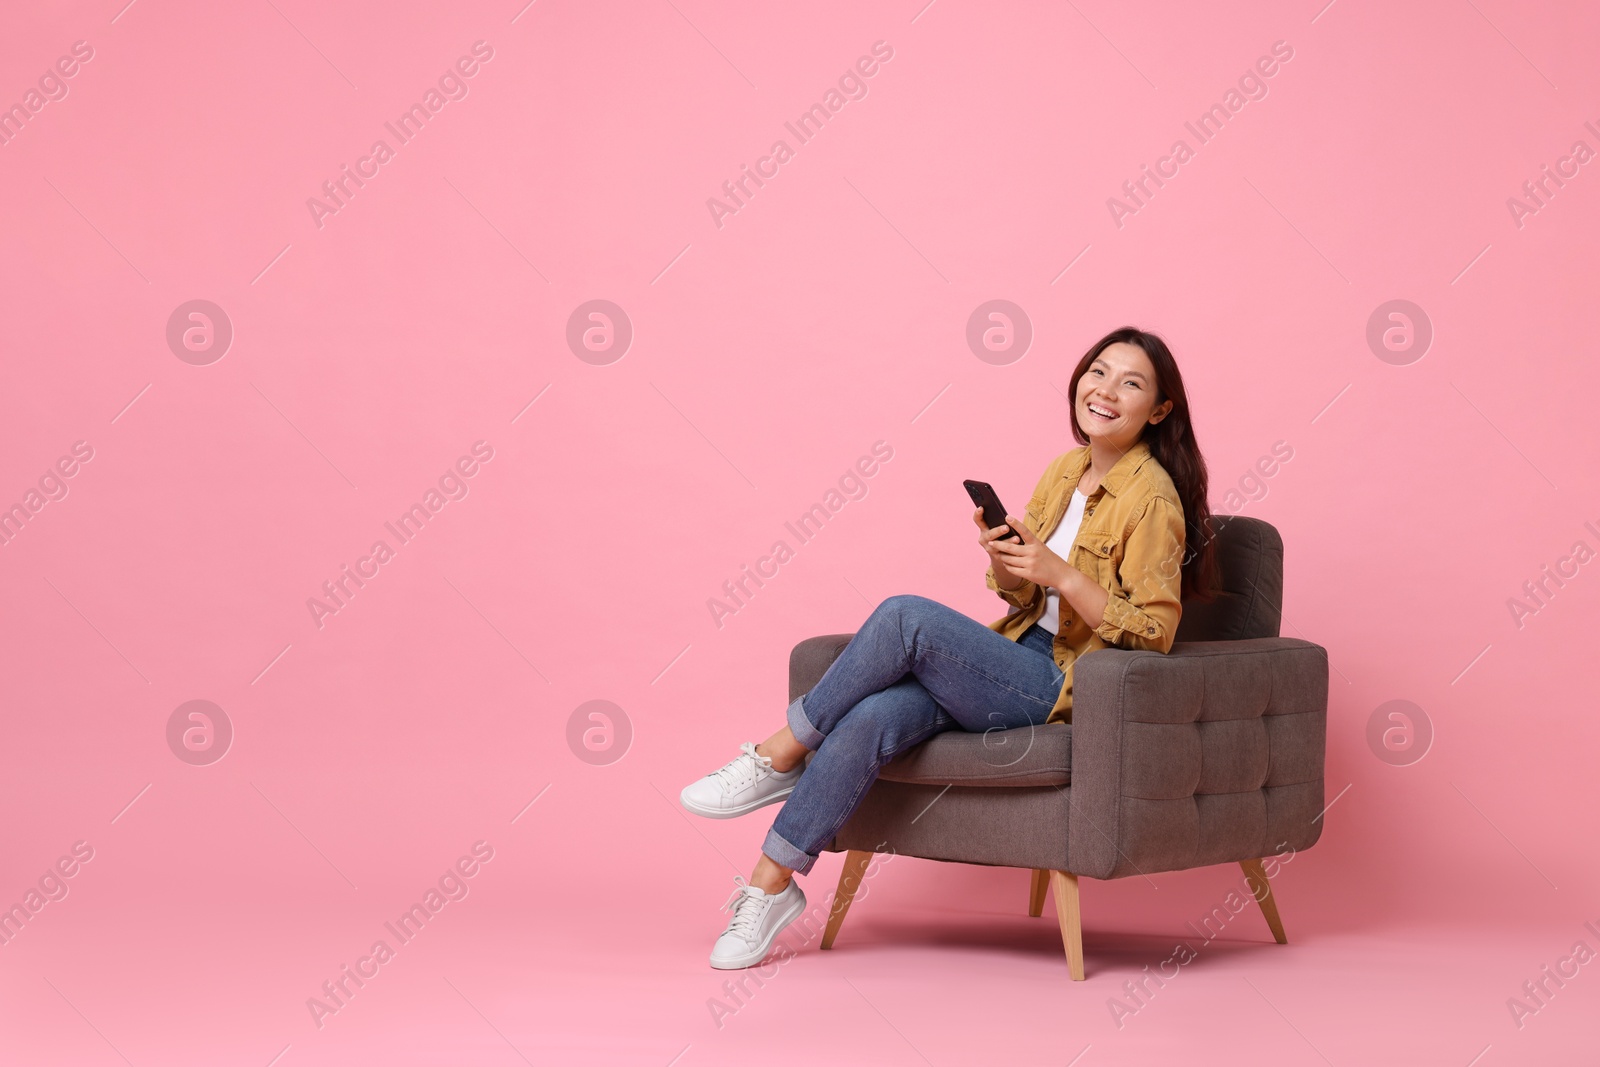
<point x="987" y="539"/>
<point x="1032" y="559"/>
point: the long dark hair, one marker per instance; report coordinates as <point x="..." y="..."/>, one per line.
<point x="1172" y="443"/>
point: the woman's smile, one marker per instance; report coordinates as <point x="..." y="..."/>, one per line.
<point x="1115" y="395"/>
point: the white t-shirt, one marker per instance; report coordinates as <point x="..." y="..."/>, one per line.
<point x="1060" y="543"/>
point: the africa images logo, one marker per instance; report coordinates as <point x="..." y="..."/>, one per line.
<point x="451" y="85"/>
<point x="852" y="85"/>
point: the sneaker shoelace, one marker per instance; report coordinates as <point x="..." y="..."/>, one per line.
<point x="748" y="909"/>
<point x="746" y="767"/>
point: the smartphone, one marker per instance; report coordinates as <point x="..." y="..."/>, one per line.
<point x="994" y="513"/>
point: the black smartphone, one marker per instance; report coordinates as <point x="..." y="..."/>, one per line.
<point x="994" y="513"/>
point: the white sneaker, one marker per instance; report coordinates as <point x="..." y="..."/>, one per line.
<point x="758" y="917"/>
<point x="743" y="785"/>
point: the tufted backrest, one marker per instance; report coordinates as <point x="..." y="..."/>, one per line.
<point x="1250" y="561"/>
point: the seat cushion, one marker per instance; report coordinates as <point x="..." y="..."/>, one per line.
<point x="1029" y="755"/>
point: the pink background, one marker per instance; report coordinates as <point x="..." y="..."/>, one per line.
<point x="768" y="355"/>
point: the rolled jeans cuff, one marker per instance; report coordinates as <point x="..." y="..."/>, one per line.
<point x="781" y="852"/>
<point x="802" y="729"/>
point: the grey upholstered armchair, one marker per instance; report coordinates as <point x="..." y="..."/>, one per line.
<point x="1210" y="753"/>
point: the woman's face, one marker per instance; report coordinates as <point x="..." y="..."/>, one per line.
<point x="1117" y="396"/>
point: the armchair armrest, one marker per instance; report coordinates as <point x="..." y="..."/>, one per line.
<point x="1210" y="753"/>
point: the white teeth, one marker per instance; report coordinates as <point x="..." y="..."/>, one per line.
<point x="1102" y="412"/>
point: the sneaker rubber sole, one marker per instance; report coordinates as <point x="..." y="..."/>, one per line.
<point x="760" y="952"/>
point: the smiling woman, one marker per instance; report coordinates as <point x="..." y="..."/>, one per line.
<point x="917" y="667"/>
<point x="1107" y="558"/>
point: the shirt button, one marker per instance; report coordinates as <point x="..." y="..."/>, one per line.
<point x="1150" y="629"/>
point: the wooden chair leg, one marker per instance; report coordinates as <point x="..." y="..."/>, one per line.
<point x="1261" y="889"/>
<point x="1041" y="882"/>
<point x="1066" y="890"/>
<point x="855" y="865"/>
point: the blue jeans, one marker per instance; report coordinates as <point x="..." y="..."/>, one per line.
<point x="915" y="668"/>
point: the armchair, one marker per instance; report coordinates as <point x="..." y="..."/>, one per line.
<point x="1210" y="753"/>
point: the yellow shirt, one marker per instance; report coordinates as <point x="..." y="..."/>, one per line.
<point x="1131" y="543"/>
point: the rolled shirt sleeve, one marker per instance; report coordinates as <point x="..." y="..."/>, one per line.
<point x="1023" y="596"/>
<point x="1020" y="598"/>
<point x="1144" y="614"/>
